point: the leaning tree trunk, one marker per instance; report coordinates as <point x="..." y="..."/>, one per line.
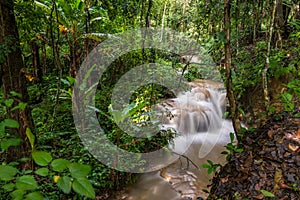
<point x="229" y="84"/>
<point x="14" y="80"/>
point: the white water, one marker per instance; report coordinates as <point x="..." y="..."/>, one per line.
<point x="198" y="118"/>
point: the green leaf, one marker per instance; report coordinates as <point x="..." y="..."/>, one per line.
<point x="29" y="171"/>
<point x="43" y="6"/>
<point x="229" y="146"/>
<point x="34" y="196"/>
<point x="41" y="158"/>
<point x="16" y="94"/>
<point x="64" y="81"/>
<point x="2" y="129"/>
<point x="8" y="102"/>
<point x="7" y="173"/>
<point x="17" y="194"/>
<point x="135" y="109"/>
<point x="26" y="183"/>
<point x="287" y="96"/>
<point x="24" y="159"/>
<point x="267" y="194"/>
<point x="60" y="165"/>
<point x="64" y="183"/>
<point x="241" y="111"/>
<point x="31" y="137"/>
<point x="210" y="162"/>
<point x="84" y="187"/>
<point x="206" y="166"/>
<point x="10" y="123"/>
<point x="9" y="187"/>
<point x="14" y="163"/>
<point x="20" y="106"/>
<point x="71" y="80"/>
<point x="6" y="143"/>
<point x="42" y="171"/>
<point x="231" y="137"/>
<point x="76" y="3"/>
<point x="239" y="150"/>
<point x="79" y="170"/>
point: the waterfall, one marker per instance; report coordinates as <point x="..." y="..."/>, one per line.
<point x="197" y="116"/>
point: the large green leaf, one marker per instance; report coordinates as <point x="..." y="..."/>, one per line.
<point x="84" y="187"/>
<point x="41" y="158"/>
<point x="17" y="194"/>
<point x="42" y="171"/>
<point x="10" y="123"/>
<point x="65" y="183"/>
<point x="9" y="187"/>
<point x="7" y="173"/>
<point x="79" y="170"/>
<point x="34" y="196"/>
<point x="60" y="165"/>
<point x="6" y="143"/>
<point x="26" y="183"/>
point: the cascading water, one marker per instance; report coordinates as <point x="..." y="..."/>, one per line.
<point x="198" y="118"/>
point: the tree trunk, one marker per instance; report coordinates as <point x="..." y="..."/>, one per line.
<point x="36" y="60"/>
<point x="44" y="55"/>
<point x="229" y="84"/>
<point x="14" y="80"/>
<point x="281" y="19"/>
<point x="237" y="29"/>
<point x="296" y="9"/>
<point x="142" y="14"/>
<point x="148" y="20"/>
<point x="266" y="67"/>
<point x="73" y="57"/>
<point x="163" y="19"/>
<point x="257" y="9"/>
<point x="87" y="26"/>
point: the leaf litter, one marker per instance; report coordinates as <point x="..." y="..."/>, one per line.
<point x="269" y="166"/>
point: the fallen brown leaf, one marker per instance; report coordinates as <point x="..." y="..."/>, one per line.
<point x="260" y="196"/>
<point x="285" y="186"/>
<point x="293" y="148"/>
<point x="278" y="179"/>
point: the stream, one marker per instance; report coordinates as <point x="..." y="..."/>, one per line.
<point x="198" y="117"/>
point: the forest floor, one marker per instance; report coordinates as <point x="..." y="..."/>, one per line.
<point x="269" y="166"/>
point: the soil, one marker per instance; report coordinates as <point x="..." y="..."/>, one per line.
<point x="268" y="166"/>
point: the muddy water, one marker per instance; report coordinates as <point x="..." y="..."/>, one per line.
<point x="198" y="117"/>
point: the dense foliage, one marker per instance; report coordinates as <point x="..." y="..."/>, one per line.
<point x="56" y="36"/>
